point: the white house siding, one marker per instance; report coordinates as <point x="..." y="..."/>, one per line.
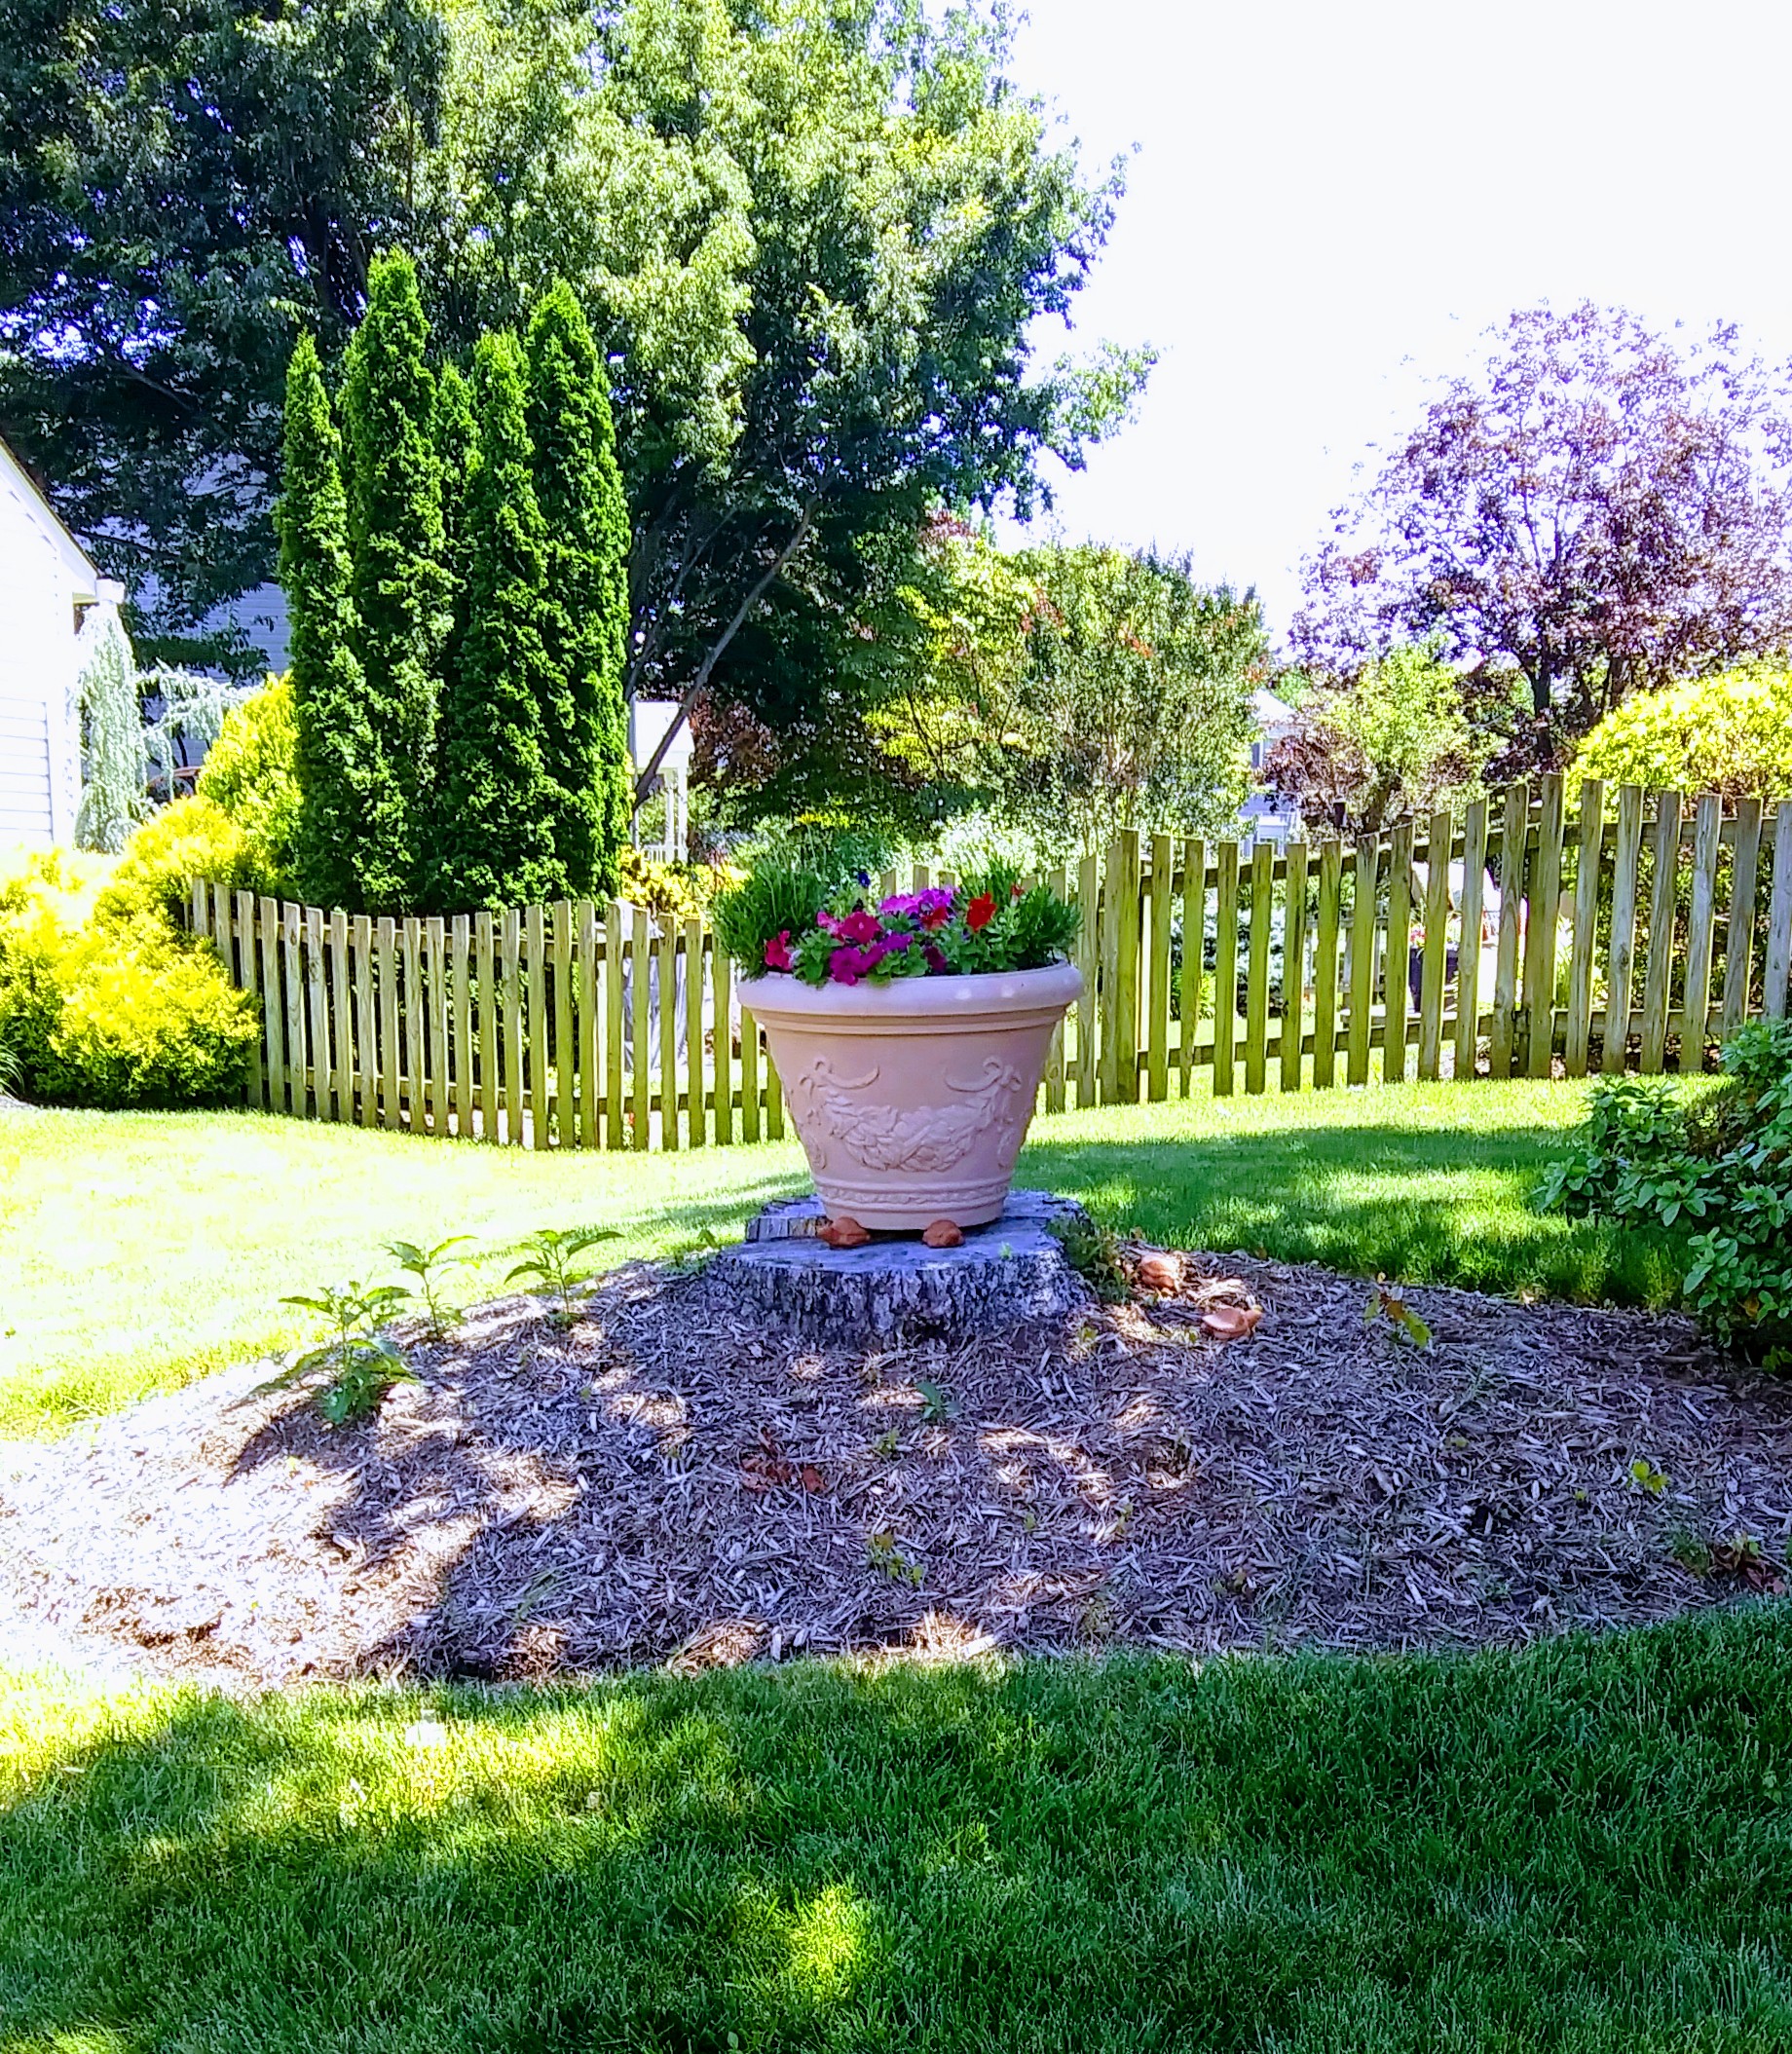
<point x="43" y="577"/>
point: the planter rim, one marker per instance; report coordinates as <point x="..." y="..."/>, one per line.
<point x="777" y="992"/>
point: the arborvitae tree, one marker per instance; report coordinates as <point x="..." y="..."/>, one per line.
<point x="401" y="585"/>
<point x="456" y="441"/>
<point x="494" y="836"/>
<point x="584" y="619"/>
<point x="337" y="758"/>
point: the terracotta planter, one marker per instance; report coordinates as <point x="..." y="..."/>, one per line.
<point x="913" y="1098"/>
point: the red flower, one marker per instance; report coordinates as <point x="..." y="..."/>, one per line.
<point x="777" y="952"/>
<point x="936" y="916"/>
<point x="979" y="912"/>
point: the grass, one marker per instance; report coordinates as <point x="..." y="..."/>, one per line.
<point x="1585" y="1845"/>
<point x="138" y="1251"/>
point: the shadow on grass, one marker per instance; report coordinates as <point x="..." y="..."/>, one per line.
<point x="1585" y="1843"/>
<point x="1418" y="1204"/>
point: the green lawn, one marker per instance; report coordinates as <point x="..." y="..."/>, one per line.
<point x="1583" y="1846"/>
<point x="139" y="1249"/>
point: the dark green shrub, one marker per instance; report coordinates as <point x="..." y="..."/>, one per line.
<point x="1719" y="1171"/>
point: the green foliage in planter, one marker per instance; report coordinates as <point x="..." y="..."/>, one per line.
<point x="251" y="774"/>
<point x="494" y="825"/>
<point x="1719" y="1171"/>
<point x="1729" y="733"/>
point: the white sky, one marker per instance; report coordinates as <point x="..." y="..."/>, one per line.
<point x="1331" y="201"/>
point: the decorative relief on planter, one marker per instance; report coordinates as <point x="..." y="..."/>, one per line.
<point x="922" y="1139"/>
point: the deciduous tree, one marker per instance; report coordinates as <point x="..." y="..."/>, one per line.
<point x="1598" y="511"/>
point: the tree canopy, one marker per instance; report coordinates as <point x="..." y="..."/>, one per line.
<point x="1599" y="510"/>
<point x="813" y="247"/>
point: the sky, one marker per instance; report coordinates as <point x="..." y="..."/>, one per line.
<point x="1330" y="203"/>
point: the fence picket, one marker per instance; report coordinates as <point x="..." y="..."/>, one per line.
<point x="1702" y="916"/>
<point x="411" y="1077"/>
<point x="1658" y="979"/>
<point x="1621" y="961"/>
<point x="1256" y="975"/>
<point x="366" y="1030"/>
<point x="721" y="995"/>
<point x="774" y="1099"/>
<point x="1542" y="911"/>
<point x="565" y="1048"/>
<point x="1225" y="968"/>
<point x="487" y="1032"/>
<point x="461" y="1054"/>
<point x="1054" y="1048"/>
<point x="1325" y="964"/>
<point x="749" y="1069"/>
<point x="666" y="951"/>
<point x="615" y="1127"/>
<point x="1366" y="890"/>
<point x="342" y="1024"/>
<point x="1435" y="962"/>
<point x="1590" y="845"/>
<point x="536" y="1029"/>
<point x="435" y="1003"/>
<point x="1194" y="953"/>
<point x="1088" y="961"/>
<point x="386" y="971"/>
<point x="1739" y="926"/>
<point x="1157" y="995"/>
<point x="640" y="970"/>
<point x="510" y="948"/>
<point x="1777" y="974"/>
<point x="1293" y="965"/>
<point x="290" y="918"/>
<point x="693" y="1033"/>
<point x="249" y="956"/>
<point x="590" y="1067"/>
<point x="1469" y="927"/>
<point x="1513" y="829"/>
<point x="1395" y="986"/>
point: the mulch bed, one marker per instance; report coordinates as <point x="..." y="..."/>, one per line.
<point x="666" y="1481"/>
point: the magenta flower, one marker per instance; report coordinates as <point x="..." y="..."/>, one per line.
<point x="860" y="928"/>
<point x="777" y="952"/>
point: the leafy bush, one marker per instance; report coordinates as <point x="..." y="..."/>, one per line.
<point x="669" y="890"/>
<point x="1729" y="733"/>
<point x="194" y="838"/>
<point x="104" y="1002"/>
<point x="251" y="772"/>
<point x="1719" y="1171"/>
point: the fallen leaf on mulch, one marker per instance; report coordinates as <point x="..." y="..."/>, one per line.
<point x="1231" y="1323"/>
<point x="812" y="1480"/>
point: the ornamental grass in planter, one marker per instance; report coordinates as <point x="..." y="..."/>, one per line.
<point x="909" y="1031"/>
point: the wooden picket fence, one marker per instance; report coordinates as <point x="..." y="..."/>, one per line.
<point x="1636" y="934"/>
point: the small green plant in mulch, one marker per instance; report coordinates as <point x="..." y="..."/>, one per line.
<point x="882" y="1554"/>
<point x="1093" y="1252"/>
<point x="938" y="1404"/>
<point x="427" y="1265"/>
<point x="1389" y="1306"/>
<point x="552" y="1264"/>
<point x="358" y="1362"/>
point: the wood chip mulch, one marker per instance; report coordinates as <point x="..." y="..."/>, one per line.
<point x="667" y="1481"/>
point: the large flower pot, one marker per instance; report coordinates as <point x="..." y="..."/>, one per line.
<point x="913" y="1098"/>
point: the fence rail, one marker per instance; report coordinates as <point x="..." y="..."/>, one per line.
<point x="1638" y="932"/>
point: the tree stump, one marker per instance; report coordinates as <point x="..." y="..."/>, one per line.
<point x="894" y="1289"/>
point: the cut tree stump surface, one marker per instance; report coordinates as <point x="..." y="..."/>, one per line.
<point x="671" y="1480"/>
<point x="895" y="1289"/>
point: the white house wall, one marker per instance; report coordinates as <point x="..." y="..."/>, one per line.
<point x="42" y="575"/>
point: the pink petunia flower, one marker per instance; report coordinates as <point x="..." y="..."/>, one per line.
<point x="777" y="952"/>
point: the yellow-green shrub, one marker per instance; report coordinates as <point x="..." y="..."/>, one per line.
<point x="194" y="838"/>
<point x="1729" y="733"/>
<point x="251" y="772"/>
<point x="103" y="1001"/>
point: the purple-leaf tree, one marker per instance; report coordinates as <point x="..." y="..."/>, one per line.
<point x="1599" y="510"/>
